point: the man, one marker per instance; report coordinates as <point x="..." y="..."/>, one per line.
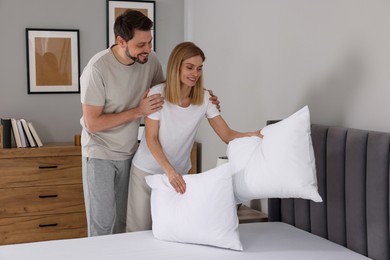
<point x="114" y="87"/>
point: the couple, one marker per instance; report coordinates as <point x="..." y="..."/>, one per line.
<point x="112" y="101"/>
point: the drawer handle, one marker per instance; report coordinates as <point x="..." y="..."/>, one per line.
<point x="47" y="166"/>
<point x="48" y="225"/>
<point x="48" y="196"/>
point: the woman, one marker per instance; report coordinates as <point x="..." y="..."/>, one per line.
<point x="169" y="133"/>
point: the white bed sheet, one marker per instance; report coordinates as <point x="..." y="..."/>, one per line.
<point x="268" y="240"/>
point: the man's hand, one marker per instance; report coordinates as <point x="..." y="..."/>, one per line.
<point x="214" y="99"/>
<point x="151" y="104"/>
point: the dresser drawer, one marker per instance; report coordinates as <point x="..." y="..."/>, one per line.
<point x="21" y="172"/>
<point x="41" y="228"/>
<point x="41" y="200"/>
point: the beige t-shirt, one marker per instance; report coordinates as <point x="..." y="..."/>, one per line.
<point x="107" y="82"/>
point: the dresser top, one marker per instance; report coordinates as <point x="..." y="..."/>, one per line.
<point x="49" y="149"/>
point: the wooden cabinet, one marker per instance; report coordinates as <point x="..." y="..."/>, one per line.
<point x="249" y="215"/>
<point x="41" y="194"/>
<point x="194" y="158"/>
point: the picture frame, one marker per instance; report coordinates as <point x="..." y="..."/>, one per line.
<point x="53" y="61"/>
<point x="117" y="7"/>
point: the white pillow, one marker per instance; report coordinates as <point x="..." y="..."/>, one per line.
<point x="240" y="150"/>
<point x="205" y="214"/>
<point x="282" y="164"/>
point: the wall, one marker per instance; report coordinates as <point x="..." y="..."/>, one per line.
<point x="56" y="116"/>
<point x="266" y="59"/>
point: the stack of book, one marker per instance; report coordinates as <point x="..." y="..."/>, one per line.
<point x="24" y="133"/>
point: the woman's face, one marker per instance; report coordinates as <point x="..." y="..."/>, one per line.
<point x="191" y="70"/>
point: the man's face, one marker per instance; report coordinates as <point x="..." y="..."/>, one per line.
<point x="139" y="47"/>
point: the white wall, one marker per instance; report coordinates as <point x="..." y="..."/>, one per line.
<point x="56" y="116"/>
<point x="268" y="58"/>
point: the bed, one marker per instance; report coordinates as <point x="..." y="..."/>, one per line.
<point x="352" y="222"/>
<point x="353" y="179"/>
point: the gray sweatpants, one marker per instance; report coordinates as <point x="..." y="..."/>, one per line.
<point x="105" y="184"/>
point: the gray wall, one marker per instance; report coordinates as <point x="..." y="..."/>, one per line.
<point x="266" y="59"/>
<point x="56" y="116"/>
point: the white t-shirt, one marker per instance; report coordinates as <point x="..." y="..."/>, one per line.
<point x="117" y="87"/>
<point x="178" y="127"/>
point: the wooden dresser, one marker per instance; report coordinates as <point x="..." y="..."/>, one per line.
<point x="41" y="194"/>
<point x="194" y="158"/>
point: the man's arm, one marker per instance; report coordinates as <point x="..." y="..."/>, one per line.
<point x="96" y="120"/>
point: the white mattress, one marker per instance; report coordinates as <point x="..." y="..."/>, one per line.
<point x="260" y="241"/>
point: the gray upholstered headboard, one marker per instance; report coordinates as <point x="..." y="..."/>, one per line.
<point x="353" y="180"/>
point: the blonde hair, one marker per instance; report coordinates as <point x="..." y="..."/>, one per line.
<point x="180" y="53"/>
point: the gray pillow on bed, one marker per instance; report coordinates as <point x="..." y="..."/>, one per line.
<point x="205" y="214"/>
<point x="281" y="165"/>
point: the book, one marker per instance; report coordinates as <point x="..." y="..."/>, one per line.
<point x="6" y="133"/>
<point x="23" y="137"/>
<point x="28" y="133"/>
<point x="35" y="134"/>
<point x="16" y="133"/>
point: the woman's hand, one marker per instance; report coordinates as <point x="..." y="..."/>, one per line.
<point x="257" y="133"/>
<point x="177" y="182"/>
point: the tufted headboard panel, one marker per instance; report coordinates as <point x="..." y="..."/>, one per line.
<point x="353" y="181"/>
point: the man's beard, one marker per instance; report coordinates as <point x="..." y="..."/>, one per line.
<point x="136" y="59"/>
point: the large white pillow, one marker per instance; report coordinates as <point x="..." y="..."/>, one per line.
<point x="205" y="214"/>
<point x="240" y="150"/>
<point x="281" y="165"/>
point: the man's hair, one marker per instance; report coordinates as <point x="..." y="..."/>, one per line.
<point x="180" y="53"/>
<point x="129" y="21"/>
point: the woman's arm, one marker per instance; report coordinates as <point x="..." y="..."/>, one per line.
<point x="153" y="142"/>
<point x="225" y="133"/>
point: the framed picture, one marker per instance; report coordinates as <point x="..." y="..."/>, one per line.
<point x="116" y="8"/>
<point x="53" y="64"/>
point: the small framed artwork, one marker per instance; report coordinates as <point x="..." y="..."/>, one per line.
<point x="116" y="8"/>
<point x="53" y="64"/>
